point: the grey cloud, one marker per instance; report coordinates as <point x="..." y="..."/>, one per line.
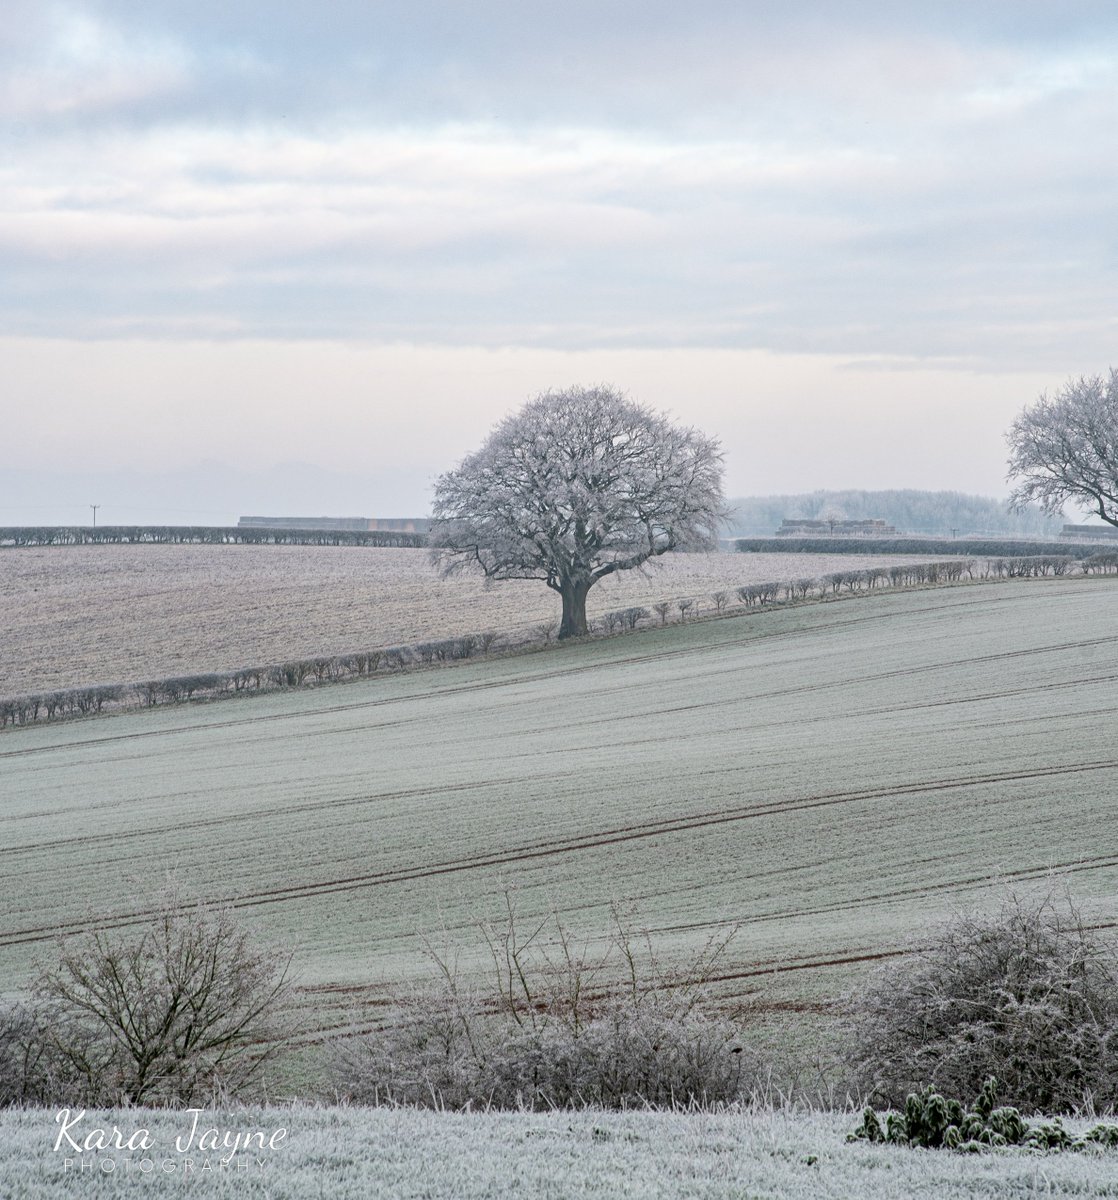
<point x="913" y="180"/>
<point x="706" y="65"/>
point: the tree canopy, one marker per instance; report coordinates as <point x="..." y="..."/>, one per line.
<point x="577" y="485"/>
<point x="1065" y="447"/>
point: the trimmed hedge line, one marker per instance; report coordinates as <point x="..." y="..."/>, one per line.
<point x="982" y="547"/>
<point x="207" y="535"/>
<point x="216" y="685"/>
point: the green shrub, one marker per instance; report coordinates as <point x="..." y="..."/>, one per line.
<point x="932" y="1122"/>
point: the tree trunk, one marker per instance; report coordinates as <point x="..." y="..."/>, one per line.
<point x="573" y="592"/>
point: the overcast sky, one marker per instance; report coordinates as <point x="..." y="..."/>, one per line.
<point x="849" y="239"/>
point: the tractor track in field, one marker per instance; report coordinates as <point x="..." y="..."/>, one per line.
<point x="1022" y="874"/>
<point x="443" y="789"/>
<point x="357" y="999"/>
<point x="804" y="719"/>
<point x="590" y="842"/>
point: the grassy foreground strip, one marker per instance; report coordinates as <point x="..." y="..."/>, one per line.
<point x="368" y="1154"/>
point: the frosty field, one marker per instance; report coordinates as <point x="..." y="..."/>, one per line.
<point x="116" y="614"/>
<point x="384" y="1154"/>
<point x="831" y="776"/>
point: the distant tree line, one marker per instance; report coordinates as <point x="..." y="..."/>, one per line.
<point x="206" y="535"/>
<point x="910" y="510"/>
<point x="982" y="547"/>
<point x="322" y="669"/>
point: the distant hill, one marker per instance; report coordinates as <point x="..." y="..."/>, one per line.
<point x="911" y="511"/>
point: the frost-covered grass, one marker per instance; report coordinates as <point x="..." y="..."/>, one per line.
<point x="380" y="1154"/>
<point x="76" y="615"/>
<point x="833" y="776"/>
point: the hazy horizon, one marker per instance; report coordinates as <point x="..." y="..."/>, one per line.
<point x="212" y="493"/>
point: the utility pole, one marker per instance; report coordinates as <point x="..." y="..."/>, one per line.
<point x="95" y="507"/>
<point x="954" y="532"/>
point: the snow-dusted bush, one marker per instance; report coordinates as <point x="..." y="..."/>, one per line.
<point x="553" y="1027"/>
<point x="1028" y="994"/>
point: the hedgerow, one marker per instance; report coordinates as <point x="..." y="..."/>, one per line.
<point x="206" y="535"/>
<point x="978" y="547"/>
<point x="83" y="701"/>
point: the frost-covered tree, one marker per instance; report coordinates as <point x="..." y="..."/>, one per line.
<point x="1066" y="448"/>
<point x="577" y="485"/>
<point x="831" y="515"/>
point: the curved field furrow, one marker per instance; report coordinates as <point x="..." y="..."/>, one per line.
<point x="520" y="854"/>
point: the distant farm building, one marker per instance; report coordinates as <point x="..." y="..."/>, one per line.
<point x="835" y="528"/>
<point x="1104" y="532"/>
<point x="356" y="524"/>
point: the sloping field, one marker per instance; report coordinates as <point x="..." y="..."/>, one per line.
<point x="76" y="615"/>
<point x="833" y="776"/>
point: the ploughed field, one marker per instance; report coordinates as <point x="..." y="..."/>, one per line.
<point x="77" y="615"/>
<point x="833" y="776"/>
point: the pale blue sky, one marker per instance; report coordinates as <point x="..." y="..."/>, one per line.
<point x="851" y="240"/>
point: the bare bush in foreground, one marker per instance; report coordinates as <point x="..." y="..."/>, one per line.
<point x="1028" y="994"/>
<point x="555" y="1025"/>
<point x="25" y="1067"/>
<point x="166" y="1013"/>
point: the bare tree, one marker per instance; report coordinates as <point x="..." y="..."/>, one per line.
<point x="633" y="616"/>
<point x="831" y="515"/>
<point x="1066" y="448"/>
<point x="165" y="1013"/>
<point x="579" y="484"/>
<point x="25" y="1074"/>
